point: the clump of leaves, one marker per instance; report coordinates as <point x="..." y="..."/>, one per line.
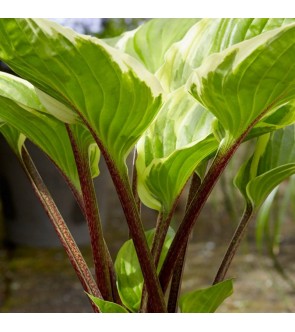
<point x="183" y="95"/>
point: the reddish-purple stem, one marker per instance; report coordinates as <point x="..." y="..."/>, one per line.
<point x="234" y="244"/>
<point x="61" y="228"/>
<point x="178" y="270"/>
<point x="93" y="219"/>
<point x="124" y="191"/>
<point x="218" y="165"/>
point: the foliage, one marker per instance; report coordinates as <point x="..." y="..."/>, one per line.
<point x="206" y="300"/>
<point x="129" y="276"/>
<point x="184" y="94"/>
<point x="106" y="306"/>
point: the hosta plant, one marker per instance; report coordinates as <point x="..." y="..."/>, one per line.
<point x="181" y="95"/>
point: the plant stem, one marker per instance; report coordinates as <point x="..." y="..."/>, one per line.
<point x="178" y="270"/>
<point x="140" y="243"/>
<point x="223" y="156"/>
<point x="234" y="244"/>
<point x="176" y="281"/>
<point x="181" y="238"/>
<point x="93" y="219"/>
<point x="112" y="272"/>
<point x="134" y="183"/>
<point x="61" y="228"/>
<point x="124" y="191"/>
<point x="162" y="227"/>
<point x="160" y="235"/>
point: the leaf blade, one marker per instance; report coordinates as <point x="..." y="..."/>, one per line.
<point x="247" y="81"/>
<point x="174" y="145"/>
<point x="129" y="276"/>
<point x="206" y="37"/>
<point x="206" y="300"/>
<point x="272" y="162"/>
<point x="104" y="86"/>
<point x="106" y="306"/>
<point x="21" y="109"/>
<point x="150" y="42"/>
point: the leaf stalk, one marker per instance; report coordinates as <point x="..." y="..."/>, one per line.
<point x="60" y="227"/>
<point x="124" y="191"/>
<point x="234" y="244"/>
<point x="178" y="270"/>
<point x="93" y="219"/>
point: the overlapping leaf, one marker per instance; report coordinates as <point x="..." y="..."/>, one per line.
<point x="25" y="116"/>
<point x="163" y="166"/>
<point x="129" y="276"/>
<point x="206" y="300"/>
<point x="263" y="218"/>
<point x="281" y="117"/>
<point x="114" y="94"/>
<point x="272" y="162"/>
<point x="149" y="42"/>
<point x="248" y="81"/>
<point x="106" y="306"/>
<point x="206" y="37"/>
<point x="173" y="146"/>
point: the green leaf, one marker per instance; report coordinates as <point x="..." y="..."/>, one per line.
<point x="262" y="219"/>
<point x="206" y="37"/>
<point x="281" y="117"/>
<point x="272" y="162"/>
<point x="106" y="306"/>
<point x="110" y="91"/>
<point x="56" y="108"/>
<point x="206" y="300"/>
<point x="170" y="150"/>
<point x="129" y="276"/>
<point x="150" y="41"/>
<point x="249" y="169"/>
<point x="21" y="91"/>
<point x="247" y="81"/>
<point x="13" y="137"/>
<point x="21" y="109"/>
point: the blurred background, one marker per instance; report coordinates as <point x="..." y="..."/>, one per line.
<point x="36" y="276"/>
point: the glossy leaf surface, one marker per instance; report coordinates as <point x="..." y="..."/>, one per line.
<point x="206" y="37"/>
<point x="173" y="146"/>
<point x="206" y="300"/>
<point x="129" y="276"/>
<point x="272" y="162"/>
<point x="280" y="118"/>
<point x="113" y="93"/>
<point x="263" y="218"/>
<point x="150" y="41"/>
<point x="21" y="109"/>
<point x="107" y="307"/>
<point x="247" y="81"/>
